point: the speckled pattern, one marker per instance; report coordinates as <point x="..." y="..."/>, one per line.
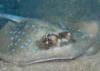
<point x="57" y="11"/>
<point x="14" y="34"/>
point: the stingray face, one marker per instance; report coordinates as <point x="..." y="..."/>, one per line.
<point x="32" y="41"/>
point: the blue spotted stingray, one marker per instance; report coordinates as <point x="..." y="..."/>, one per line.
<point x="18" y="40"/>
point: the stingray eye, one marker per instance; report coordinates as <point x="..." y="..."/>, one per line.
<point x="66" y="37"/>
<point x="48" y="41"/>
<point x="53" y="38"/>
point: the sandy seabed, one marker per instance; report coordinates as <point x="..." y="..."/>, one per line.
<point x="84" y="63"/>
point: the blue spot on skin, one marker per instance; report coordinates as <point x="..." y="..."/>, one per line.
<point x="23" y="46"/>
<point x="27" y="27"/>
<point x="29" y="39"/>
<point x="12" y="38"/>
<point x="19" y="40"/>
<point x="24" y="33"/>
<point x="17" y="36"/>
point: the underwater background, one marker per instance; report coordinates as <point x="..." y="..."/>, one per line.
<point x="49" y="9"/>
<point x="54" y="11"/>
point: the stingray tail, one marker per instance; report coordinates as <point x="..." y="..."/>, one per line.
<point x="11" y="17"/>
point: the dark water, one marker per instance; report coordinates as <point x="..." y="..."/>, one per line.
<point x="63" y="9"/>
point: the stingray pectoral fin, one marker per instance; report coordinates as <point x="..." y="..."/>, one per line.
<point x="93" y="50"/>
<point x="11" y="17"/>
<point x="8" y="27"/>
<point x="59" y="54"/>
<point x="90" y="51"/>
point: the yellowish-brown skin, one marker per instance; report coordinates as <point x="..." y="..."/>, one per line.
<point x="46" y="42"/>
<point x="53" y="39"/>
